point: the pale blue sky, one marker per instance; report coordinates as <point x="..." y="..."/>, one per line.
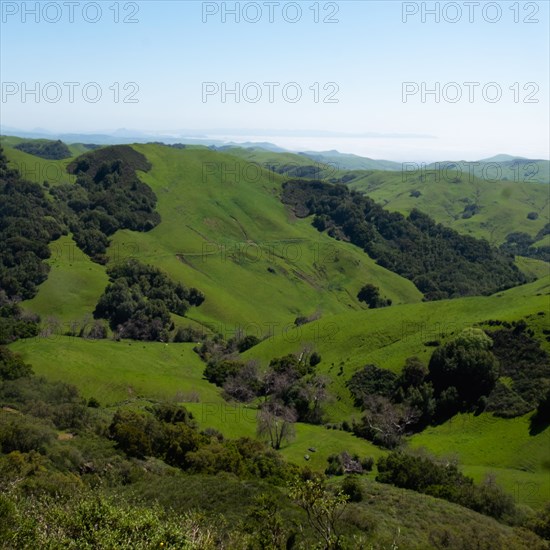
<point x="169" y="52"/>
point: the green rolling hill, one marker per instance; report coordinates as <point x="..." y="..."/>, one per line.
<point x="225" y="231"/>
<point x="232" y="238"/>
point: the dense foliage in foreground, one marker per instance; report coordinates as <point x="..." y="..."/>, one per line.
<point x="75" y="474"/>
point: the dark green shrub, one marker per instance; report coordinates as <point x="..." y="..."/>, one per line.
<point x="351" y="487"/>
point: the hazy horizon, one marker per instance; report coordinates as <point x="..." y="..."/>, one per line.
<point x="380" y="148"/>
<point x="477" y="84"/>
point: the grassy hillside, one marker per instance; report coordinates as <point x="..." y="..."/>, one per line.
<point x="117" y="371"/>
<point x="113" y="372"/>
<point x="120" y="372"/>
<point x="345" y="161"/>
<point x="534" y="269"/>
<point x="502" y="207"/>
<point x="289" y="164"/>
<point x="230" y="236"/>
<point x="506" y="167"/>
<point x="387" y="517"/>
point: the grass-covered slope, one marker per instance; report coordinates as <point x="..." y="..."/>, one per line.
<point x="222" y="233"/>
<point x="289" y="164"/>
<point x="224" y="230"/>
<point x="499" y="205"/>
<point x="440" y="261"/>
<point x="229" y="235"/>
<point x="505" y="167"/>
<point x="473" y="206"/>
<point x="118" y="371"/>
<point x="73" y="287"/>
<point x="386" y="518"/>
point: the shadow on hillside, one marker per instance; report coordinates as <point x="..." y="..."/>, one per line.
<point x="538" y="424"/>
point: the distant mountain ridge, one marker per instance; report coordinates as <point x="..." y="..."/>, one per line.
<point x="346" y="161"/>
<point x="343" y="161"/>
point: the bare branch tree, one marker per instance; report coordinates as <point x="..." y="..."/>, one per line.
<point x="276" y="423"/>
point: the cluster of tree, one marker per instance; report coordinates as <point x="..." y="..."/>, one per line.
<point x="169" y="432"/>
<point x="460" y="376"/>
<point x="50" y="150"/>
<point x="464" y="372"/>
<point x="12" y="365"/>
<point x="521" y="244"/>
<point x="391" y="405"/>
<point x="28" y="222"/>
<point x="139" y="299"/>
<point x="214" y="349"/>
<point x="289" y="390"/>
<point x="189" y="334"/>
<point x="445" y="481"/>
<point x="107" y="196"/>
<point x="439" y="261"/>
<point x="524" y="364"/>
<point x="14" y="322"/>
<point x="463" y="375"/>
<point x="370" y="294"/>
